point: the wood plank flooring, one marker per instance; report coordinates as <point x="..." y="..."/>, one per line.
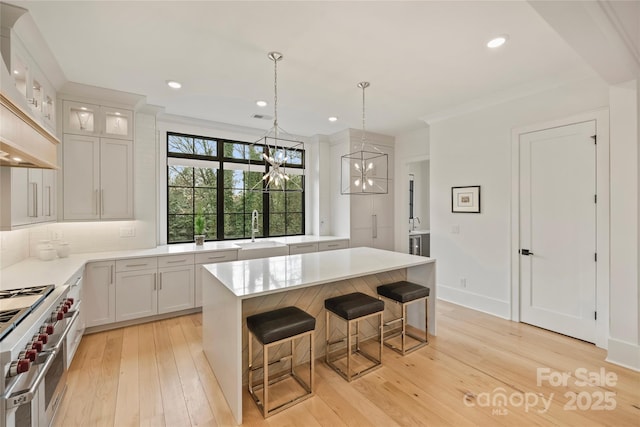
<point x="156" y="374"/>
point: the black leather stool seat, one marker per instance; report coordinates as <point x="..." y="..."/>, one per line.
<point x="403" y="291"/>
<point x="352" y="306"/>
<point x="280" y="324"/>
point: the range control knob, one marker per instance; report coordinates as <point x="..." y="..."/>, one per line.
<point x="37" y="346"/>
<point x="28" y="355"/>
<point x="57" y="315"/>
<point x="70" y="301"/>
<point x="64" y="308"/>
<point x="18" y="367"/>
<point x="44" y="338"/>
<point x="47" y="329"/>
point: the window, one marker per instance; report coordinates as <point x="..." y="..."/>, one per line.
<point x="212" y="177"/>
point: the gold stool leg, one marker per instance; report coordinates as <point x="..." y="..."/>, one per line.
<point x="265" y="381"/>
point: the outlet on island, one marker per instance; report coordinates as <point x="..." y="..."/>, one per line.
<point x="127" y="231"/>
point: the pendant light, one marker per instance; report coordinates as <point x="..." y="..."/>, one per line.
<point x="364" y="172"/>
<point x="281" y="152"/>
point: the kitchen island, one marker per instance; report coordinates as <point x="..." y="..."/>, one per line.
<point x="234" y="290"/>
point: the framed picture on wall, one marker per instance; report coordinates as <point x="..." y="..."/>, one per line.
<point x="465" y="199"/>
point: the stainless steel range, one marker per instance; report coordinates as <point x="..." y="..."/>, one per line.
<point x="34" y="324"/>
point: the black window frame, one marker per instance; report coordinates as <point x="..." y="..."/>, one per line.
<point x="221" y="159"/>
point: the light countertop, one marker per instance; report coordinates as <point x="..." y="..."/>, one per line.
<point x="250" y="278"/>
<point x="33" y="271"/>
<point x="416" y="232"/>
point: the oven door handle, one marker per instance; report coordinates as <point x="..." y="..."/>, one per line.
<point x="22" y="397"/>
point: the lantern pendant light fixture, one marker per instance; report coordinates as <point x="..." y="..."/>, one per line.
<point x="280" y="152"/>
<point x="364" y="172"/>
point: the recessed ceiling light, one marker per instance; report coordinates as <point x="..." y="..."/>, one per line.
<point x="17" y="159"/>
<point x="333" y="119"/>
<point x="173" y="84"/>
<point x="261" y="103"/>
<point x="497" y="42"/>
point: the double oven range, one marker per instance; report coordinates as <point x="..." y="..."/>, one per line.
<point x="38" y="326"/>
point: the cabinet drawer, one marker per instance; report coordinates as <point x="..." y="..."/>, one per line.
<point x="216" y="256"/>
<point x="302" y="248"/>
<point x="134" y="264"/>
<point x="330" y="246"/>
<point x="175" y="260"/>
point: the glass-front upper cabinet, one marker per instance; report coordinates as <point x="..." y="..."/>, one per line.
<point x="90" y="119"/>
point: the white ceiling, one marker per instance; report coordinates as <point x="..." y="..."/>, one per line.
<point x="422" y="58"/>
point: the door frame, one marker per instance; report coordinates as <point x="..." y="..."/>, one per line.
<point x="601" y="117"/>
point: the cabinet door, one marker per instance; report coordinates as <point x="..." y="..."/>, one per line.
<point x="81" y="118"/>
<point x="22" y="199"/>
<point x="99" y="294"/>
<point x="175" y="288"/>
<point x="81" y="177"/>
<point x="116" y="123"/>
<point x="136" y="294"/>
<point x="48" y="211"/>
<point x="35" y="194"/>
<point x="116" y="179"/>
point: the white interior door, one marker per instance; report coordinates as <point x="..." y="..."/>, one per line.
<point x="558" y="229"/>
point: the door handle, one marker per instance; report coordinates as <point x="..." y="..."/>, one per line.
<point x="525" y="252"/>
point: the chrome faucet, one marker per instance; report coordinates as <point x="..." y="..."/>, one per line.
<point x="413" y="222"/>
<point x="254" y="225"/>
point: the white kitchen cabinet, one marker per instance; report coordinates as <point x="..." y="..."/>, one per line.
<point x="333" y="245"/>
<point x="372" y="216"/>
<point x="302" y="248"/>
<point x="33" y="85"/>
<point x="28" y="196"/>
<point x="99" y="293"/>
<point x="87" y="119"/>
<point x="97" y="178"/>
<point x="209" y="258"/>
<point x="149" y="286"/>
<point x="176" y="288"/>
<point x="136" y="294"/>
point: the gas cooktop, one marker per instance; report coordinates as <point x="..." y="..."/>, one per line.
<point x="16" y="304"/>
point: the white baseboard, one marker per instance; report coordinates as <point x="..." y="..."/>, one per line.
<point x="478" y="302"/>
<point x="624" y="353"/>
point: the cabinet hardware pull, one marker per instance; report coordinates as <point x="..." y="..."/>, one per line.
<point x="177" y="261"/>
<point x="111" y="275"/>
<point x="304" y="246"/>
<point x="102" y="201"/>
<point x="374" y="228"/>
<point x="136" y="265"/>
<point x="155" y="280"/>
<point x="217" y="257"/>
<point x="48" y="187"/>
<point x="160" y="281"/>
<point x="95" y="195"/>
<point x="31" y="207"/>
<point x="333" y="245"/>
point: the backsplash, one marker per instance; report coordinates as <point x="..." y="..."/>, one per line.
<point x="18" y="245"/>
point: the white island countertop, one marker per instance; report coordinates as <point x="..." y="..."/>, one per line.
<point x="251" y="278"/>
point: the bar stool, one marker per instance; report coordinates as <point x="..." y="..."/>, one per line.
<point x="270" y="329"/>
<point x="406" y="293"/>
<point x="353" y="308"/>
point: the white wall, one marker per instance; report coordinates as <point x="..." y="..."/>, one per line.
<point x="624" y="292"/>
<point x="474" y="149"/>
<point x="410" y="147"/>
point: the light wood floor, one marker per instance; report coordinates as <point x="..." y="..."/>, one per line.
<point x="156" y="374"/>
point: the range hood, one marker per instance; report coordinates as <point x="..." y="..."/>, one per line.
<point x="23" y="141"/>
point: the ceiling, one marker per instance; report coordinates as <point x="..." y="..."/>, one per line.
<point x="422" y="58"/>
